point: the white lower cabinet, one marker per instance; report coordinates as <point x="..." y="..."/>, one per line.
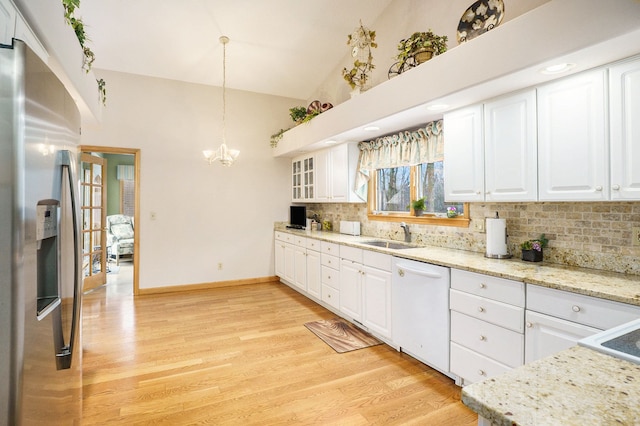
<point x="365" y="289"/>
<point x="556" y="319"/>
<point x="284" y="255"/>
<point x="547" y="335"/>
<point x="300" y="263"/>
<point x="376" y="286"/>
<point x="330" y="274"/>
<point x="314" y="276"/>
<point x="487" y="325"/>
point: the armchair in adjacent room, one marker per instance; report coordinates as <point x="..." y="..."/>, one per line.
<point x="120" y="236"/>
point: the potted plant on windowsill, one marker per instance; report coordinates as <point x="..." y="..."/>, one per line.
<point x="418" y="206"/>
<point x="532" y="249"/>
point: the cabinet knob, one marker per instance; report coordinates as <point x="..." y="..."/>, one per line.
<point x="483" y="285"/>
<point x="598" y="188"/>
<point x="478" y="192"/>
<point x="529" y="324"/>
<point x="483" y="338"/>
<point x="401" y="272"/>
<point x="328" y="296"/>
<point x="481" y="373"/>
<point x="328" y="261"/>
<point x="615" y="187"/>
<point x="328" y="277"/>
<point x="480" y="309"/>
<point x="488" y="192"/>
<point x="575" y="308"/>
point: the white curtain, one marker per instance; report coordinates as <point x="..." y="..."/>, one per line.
<point x="408" y="148"/>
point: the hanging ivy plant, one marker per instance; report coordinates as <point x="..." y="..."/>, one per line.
<point x="89" y="57"/>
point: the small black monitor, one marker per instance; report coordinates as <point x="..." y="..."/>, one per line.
<point x="298" y="217"/>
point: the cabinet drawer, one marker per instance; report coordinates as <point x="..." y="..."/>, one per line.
<point x="377" y="260"/>
<point x="351" y="253"/>
<point x="330" y="296"/>
<point x="587" y="310"/>
<point x="472" y="366"/>
<point x="502" y="314"/>
<point x="330" y="248"/>
<point x="330" y="277"/>
<point x="500" y="289"/>
<point x="299" y="241"/>
<point x="313" y="244"/>
<point x="283" y="236"/>
<point x="330" y="261"/>
<point x="495" y="342"/>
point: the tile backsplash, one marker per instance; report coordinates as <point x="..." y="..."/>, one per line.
<point x="589" y="235"/>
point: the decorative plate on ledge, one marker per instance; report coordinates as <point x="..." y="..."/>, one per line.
<point x="479" y="18"/>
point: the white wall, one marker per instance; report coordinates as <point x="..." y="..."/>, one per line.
<point x="401" y="19"/>
<point x="204" y="214"/>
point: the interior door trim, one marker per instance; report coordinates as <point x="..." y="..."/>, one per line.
<point x="136" y="216"/>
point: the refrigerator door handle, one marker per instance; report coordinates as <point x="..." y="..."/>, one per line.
<point x="64" y="352"/>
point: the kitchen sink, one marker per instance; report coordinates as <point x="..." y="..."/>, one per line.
<point x="621" y="342"/>
<point x="389" y="244"/>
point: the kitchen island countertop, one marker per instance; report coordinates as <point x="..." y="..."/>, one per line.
<point x="577" y="386"/>
<point x="590" y="282"/>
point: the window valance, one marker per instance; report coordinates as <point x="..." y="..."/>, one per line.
<point x="407" y="148"/>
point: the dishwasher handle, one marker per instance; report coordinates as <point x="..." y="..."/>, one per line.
<point x="428" y="274"/>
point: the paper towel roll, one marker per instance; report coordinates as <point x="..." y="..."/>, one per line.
<point x="496" y="237"/>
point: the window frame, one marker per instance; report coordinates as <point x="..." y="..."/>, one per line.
<point x="461" y="221"/>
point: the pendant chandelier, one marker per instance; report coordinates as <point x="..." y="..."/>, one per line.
<point x="223" y="154"/>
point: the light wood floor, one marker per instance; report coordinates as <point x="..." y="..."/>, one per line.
<point x="241" y="355"/>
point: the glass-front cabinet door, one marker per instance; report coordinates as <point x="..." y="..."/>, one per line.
<point x="296" y="183"/>
<point x="302" y="178"/>
<point x="308" y="178"/>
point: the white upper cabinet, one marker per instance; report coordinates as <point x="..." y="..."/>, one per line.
<point x="490" y="151"/>
<point x="510" y="148"/>
<point x="625" y="130"/>
<point x="336" y="170"/>
<point x="573" y="160"/>
<point x="464" y="155"/>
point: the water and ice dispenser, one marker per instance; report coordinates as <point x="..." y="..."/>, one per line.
<point x="48" y="256"/>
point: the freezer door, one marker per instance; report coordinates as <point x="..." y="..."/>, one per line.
<point x="45" y="134"/>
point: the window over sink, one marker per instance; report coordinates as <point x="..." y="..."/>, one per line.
<point x="406" y="167"/>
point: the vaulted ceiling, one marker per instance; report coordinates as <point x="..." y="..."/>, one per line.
<point x="278" y="47"/>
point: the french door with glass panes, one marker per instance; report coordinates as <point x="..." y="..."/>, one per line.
<point x="94" y="201"/>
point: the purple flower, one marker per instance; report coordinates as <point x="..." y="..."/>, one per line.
<point x="536" y="246"/>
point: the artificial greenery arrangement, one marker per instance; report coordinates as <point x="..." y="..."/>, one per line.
<point x="89" y="57"/>
<point x="275" y="138"/>
<point x="361" y="41"/>
<point x="421" y="42"/>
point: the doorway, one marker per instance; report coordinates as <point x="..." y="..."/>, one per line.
<point x="126" y="182"/>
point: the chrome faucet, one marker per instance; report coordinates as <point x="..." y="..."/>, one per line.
<point x="407" y="233"/>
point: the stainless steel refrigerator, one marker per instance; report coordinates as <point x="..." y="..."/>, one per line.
<point x="40" y="307"/>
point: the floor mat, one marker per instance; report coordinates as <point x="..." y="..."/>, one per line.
<point x="341" y="336"/>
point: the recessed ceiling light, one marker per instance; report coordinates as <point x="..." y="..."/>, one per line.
<point x="557" y="68"/>
<point x="371" y="128"/>
<point x="437" y="107"/>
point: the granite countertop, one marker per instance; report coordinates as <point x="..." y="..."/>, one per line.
<point x="590" y="282"/>
<point x="577" y="386"/>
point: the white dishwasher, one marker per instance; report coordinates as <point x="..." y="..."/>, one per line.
<point x="420" y="300"/>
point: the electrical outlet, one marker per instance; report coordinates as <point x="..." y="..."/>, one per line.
<point x="220" y="266"/>
<point x="478" y="225"/>
<point x="635" y="236"/>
